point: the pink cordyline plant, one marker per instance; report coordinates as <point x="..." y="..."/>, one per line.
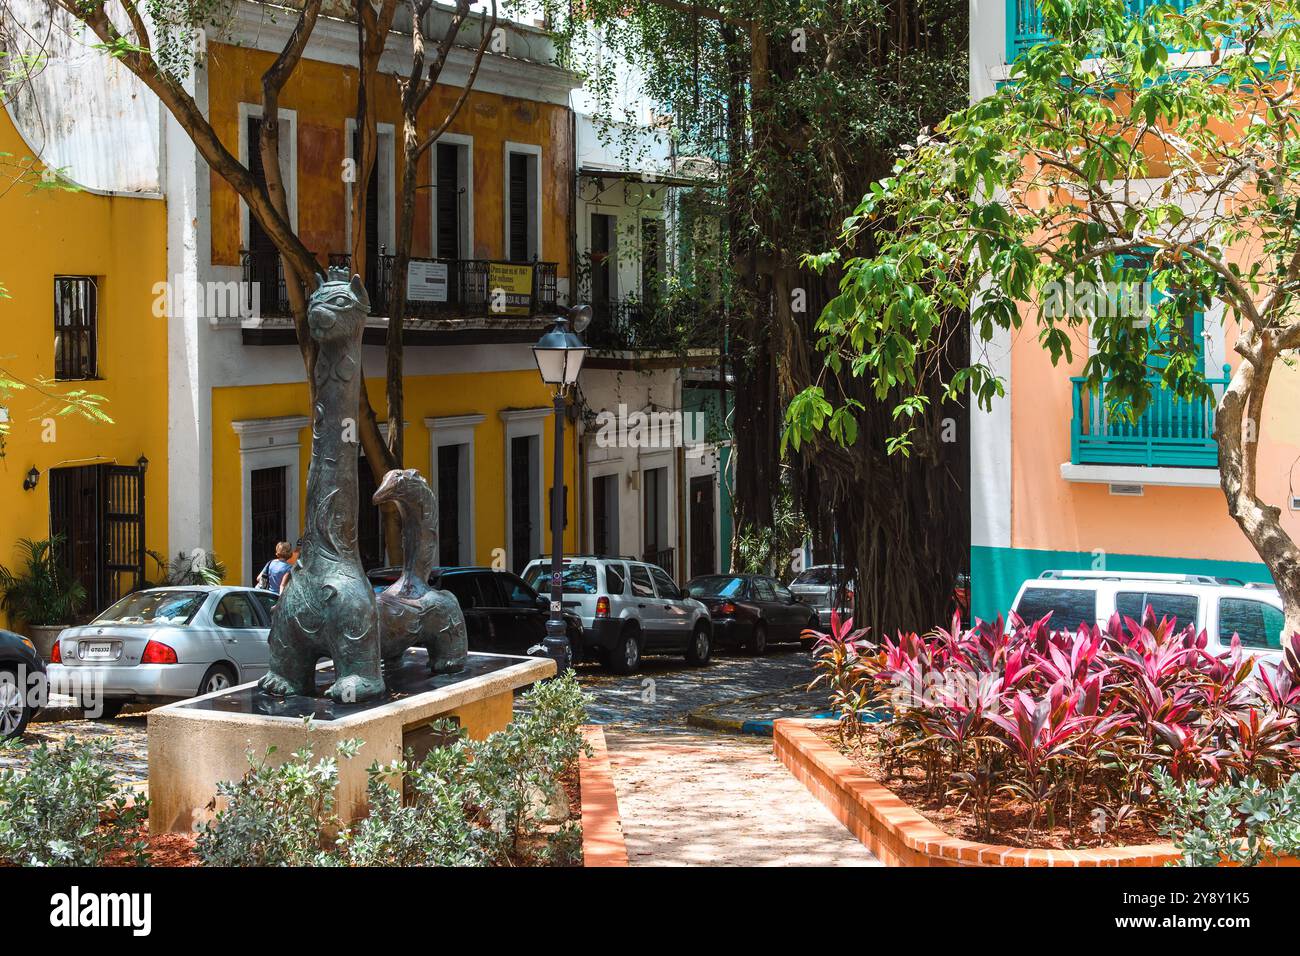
<point x="1074" y="719"/>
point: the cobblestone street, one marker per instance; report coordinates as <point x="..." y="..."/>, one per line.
<point x="128" y="749"/>
<point x="667" y="689"/>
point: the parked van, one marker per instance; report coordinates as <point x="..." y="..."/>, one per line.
<point x="1219" y="606"/>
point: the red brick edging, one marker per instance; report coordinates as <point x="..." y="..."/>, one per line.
<point x="602" y="828"/>
<point x="899" y="835"/>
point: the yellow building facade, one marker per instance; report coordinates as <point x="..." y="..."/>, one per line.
<point x="475" y="392"/>
<point x="217" y="403"/>
<point x="89" y="259"/>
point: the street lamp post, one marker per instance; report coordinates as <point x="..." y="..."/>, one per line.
<point x="559" y="354"/>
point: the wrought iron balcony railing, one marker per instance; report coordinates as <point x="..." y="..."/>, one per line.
<point x="1173" y="432"/>
<point x="443" y="288"/>
<point x="1025" y="21"/>
<point x="630" y="326"/>
<point x="263" y="284"/>
<point x="662" y="558"/>
<point x="438" y="288"/>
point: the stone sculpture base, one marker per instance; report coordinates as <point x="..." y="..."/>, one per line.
<point x="194" y="744"/>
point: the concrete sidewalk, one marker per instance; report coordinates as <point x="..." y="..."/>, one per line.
<point x="698" y="799"/>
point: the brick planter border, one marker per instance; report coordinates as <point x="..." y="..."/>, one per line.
<point x="602" y="828"/>
<point x="899" y="835"/>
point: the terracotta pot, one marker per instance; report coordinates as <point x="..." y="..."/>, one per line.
<point x="44" y="636"/>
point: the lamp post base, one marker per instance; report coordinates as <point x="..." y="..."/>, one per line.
<point x="556" y="645"/>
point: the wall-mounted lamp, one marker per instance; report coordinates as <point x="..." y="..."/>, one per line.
<point x="142" y="463"/>
<point x="31" y="479"/>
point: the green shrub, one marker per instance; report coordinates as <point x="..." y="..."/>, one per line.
<point x="276" y="814"/>
<point x="43" y="592"/>
<point x="468" y="803"/>
<point x="417" y="814"/>
<point x="65" y="809"/>
<point x="1240" y="823"/>
<point x="517" y="769"/>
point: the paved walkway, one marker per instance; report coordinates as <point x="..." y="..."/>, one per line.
<point x="701" y="799"/>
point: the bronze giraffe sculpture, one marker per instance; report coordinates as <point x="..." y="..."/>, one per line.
<point x="410" y="611"/>
<point x="328" y="608"/>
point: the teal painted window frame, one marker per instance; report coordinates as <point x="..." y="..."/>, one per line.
<point x="1171" y="433"/>
<point x="1018" y="42"/>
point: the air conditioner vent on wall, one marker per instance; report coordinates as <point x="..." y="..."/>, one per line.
<point x="1128" y="490"/>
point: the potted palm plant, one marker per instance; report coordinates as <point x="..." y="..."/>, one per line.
<point x="43" y="594"/>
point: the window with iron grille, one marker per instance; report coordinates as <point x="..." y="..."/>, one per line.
<point x="76" y="327"/>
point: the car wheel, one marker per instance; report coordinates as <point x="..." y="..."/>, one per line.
<point x="700" y="646"/>
<point x="218" y="677"/>
<point x="15" y="709"/>
<point x="625" y="655"/>
<point x="758" y="640"/>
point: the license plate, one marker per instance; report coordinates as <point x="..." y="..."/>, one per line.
<point x="98" y="651"/>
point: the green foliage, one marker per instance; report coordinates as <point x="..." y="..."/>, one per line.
<point x="276" y="814"/>
<point x="468" y="803"/>
<point x="179" y="32"/>
<point x="1243" y="823"/>
<point x="517" y="768"/>
<point x="184" y="570"/>
<point x="768" y="550"/>
<point x="1042" y="188"/>
<point x="834" y="99"/>
<point x="43" y="592"/>
<point x="430" y="826"/>
<point x="54" y="402"/>
<point x="64" y="809"/>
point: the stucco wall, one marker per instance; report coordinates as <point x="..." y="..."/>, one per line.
<point x="323" y="97"/>
<point x="122" y="241"/>
<point x="427" y="396"/>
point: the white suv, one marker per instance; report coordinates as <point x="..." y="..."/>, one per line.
<point x="1219" y="606"/>
<point x="628" y="608"/>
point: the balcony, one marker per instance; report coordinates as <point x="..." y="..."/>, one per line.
<point x="663" y="558"/>
<point x="448" y="301"/>
<point x="1172" y="433"/>
<point x="680" y="328"/>
<point x="1025" y="21"/>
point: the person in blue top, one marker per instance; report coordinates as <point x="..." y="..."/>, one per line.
<point x="273" y="576"/>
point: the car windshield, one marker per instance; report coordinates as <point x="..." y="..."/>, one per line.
<point x="154" y="607"/>
<point x="577" y="579"/>
<point x="824" y="575"/>
<point x="718" y="585"/>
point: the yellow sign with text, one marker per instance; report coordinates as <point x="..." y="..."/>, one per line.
<point x="510" y="289"/>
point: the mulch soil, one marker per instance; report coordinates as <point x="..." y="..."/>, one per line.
<point x="1010" y="816"/>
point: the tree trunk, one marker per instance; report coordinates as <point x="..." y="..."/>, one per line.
<point x="1237" y="424"/>
<point x="372" y="35"/>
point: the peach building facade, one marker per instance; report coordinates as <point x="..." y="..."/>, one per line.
<point x="1049" y="492"/>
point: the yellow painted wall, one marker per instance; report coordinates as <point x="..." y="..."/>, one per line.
<point x="429" y="396"/>
<point x="123" y="242"/>
<point x="324" y="96"/>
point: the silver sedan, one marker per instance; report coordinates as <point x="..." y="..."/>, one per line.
<point x="165" y="644"/>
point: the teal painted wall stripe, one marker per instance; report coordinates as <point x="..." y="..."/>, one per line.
<point x="997" y="573"/>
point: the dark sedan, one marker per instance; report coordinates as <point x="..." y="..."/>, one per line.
<point x="22" y="683"/>
<point x="751" y="610"/>
<point x="503" y="615"/>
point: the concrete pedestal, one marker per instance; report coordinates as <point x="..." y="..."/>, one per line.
<point x="194" y="744"/>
